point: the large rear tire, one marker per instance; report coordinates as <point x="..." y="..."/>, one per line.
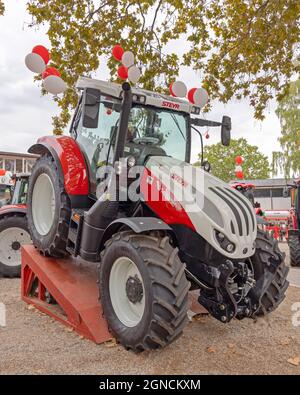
<point x="294" y="245"/>
<point x="49" y="209"/>
<point x="269" y="255"/>
<point x="13" y="234"/>
<point x="143" y="290"/>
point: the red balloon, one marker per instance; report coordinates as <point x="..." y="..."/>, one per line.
<point x="239" y="160"/>
<point x="170" y="89"/>
<point x="117" y="52"/>
<point x="123" y="72"/>
<point x="239" y="174"/>
<point x="191" y="95"/>
<point x="50" y="71"/>
<point x="207" y="136"/>
<point x="43" y="52"/>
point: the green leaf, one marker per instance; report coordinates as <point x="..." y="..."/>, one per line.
<point x="242" y="48"/>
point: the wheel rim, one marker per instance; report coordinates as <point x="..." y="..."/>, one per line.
<point x="127" y="291"/>
<point x="43" y="204"/>
<point x="11" y="240"/>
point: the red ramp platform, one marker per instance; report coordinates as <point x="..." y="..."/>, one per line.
<point x="65" y="289"/>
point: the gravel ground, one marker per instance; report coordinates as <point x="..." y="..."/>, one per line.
<point x="33" y="343"/>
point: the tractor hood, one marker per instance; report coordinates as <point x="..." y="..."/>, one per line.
<point x="209" y="206"/>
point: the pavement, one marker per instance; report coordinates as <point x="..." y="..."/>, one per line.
<point x="33" y="343"/>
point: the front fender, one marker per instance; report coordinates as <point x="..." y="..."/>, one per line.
<point x="137" y="224"/>
<point x="70" y="161"/>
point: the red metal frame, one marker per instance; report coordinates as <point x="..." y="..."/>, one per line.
<point x="72" y="163"/>
<point x="73" y="286"/>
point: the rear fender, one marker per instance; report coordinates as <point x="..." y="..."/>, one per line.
<point x="13" y="210"/>
<point x="71" y="166"/>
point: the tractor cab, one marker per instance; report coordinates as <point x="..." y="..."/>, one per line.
<point x="20" y="189"/>
<point x="154" y="125"/>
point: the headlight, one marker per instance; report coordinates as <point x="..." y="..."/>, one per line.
<point x="224" y="243"/>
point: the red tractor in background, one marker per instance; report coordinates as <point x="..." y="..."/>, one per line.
<point x="13" y="226"/>
<point x="120" y="191"/>
<point x="294" y="225"/>
<point x="246" y="189"/>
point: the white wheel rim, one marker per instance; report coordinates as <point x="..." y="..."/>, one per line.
<point x="11" y="240"/>
<point x="43" y="204"/>
<point x="130" y="314"/>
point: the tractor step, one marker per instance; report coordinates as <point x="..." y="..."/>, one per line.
<point x="66" y="290"/>
<point x="74" y="236"/>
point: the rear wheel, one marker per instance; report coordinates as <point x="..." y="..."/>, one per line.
<point x="294" y="245"/>
<point x="144" y="290"/>
<point x="48" y="209"/>
<point x="269" y="262"/>
<point x="13" y="234"/>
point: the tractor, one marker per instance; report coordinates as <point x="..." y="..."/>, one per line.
<point x="120" y="191"/>
<point x="245" y="188"/>
<point x="294" y="225"/>
<point x="13" y="227"/>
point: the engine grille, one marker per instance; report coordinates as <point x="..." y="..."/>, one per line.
<point x="239" y="208"/>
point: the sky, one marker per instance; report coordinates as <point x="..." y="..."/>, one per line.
<point x="25" y="115"/>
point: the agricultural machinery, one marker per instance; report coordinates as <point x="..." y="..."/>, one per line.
<point x="246" y="189"/>
<point x="13" y="227"/>
<point x="120" y="191"/>
<point x="294" y="225"/>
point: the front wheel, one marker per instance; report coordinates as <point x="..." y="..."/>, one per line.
<point x="13" y="234"/>
<point x="143" y="290"/>
<point x="49" y="209"/>
<point x="294" y="246"/>
<point x="270" y="272"/>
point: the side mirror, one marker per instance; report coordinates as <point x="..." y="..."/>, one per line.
<point x="226" y="131"/>
<point x="91" y="105"/>
<point x="206" y="166"/>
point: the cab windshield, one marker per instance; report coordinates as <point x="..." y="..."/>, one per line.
<point x="161" y="128"/>
<point x="147" y="127"/>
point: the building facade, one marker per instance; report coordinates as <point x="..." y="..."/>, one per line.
<point x="16" y="162"/>
<point x="272" y="194"/>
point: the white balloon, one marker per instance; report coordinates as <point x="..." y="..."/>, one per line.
<point x="238" y="168"/>
<point x="200" y="97"/>
<point x="35" y="63"/>
<point x="128" y="59"/>
<point x="179" y="89"/>
<point x="54" y="84"/>
<point x="134" y="74"/>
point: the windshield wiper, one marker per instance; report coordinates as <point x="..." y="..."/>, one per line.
<point x="177" y="124"/>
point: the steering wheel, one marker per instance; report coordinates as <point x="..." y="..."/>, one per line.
<point x="146" y="140"/>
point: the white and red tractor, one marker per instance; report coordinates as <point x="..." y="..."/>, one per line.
<point x="120" y="191"/>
